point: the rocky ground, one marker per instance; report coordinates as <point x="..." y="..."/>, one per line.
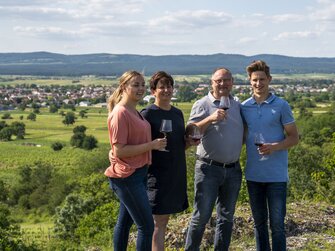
<point x="308" y="226"/>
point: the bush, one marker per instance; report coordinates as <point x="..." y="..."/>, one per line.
<point x="31" y="116"/>
<point x="80" y="128"/>
<point x="19" y="129"/>
<point x="57" y="146"/>
<point x="89" y="142"/>
<point x="6" y="116"/>
<point x="6" y="134"/>
<point x="77" y="139"/>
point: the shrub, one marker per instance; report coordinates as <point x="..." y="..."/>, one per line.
<point x="6" y="134"/>
<point x="80" y="128"/>
<point x="6" y="115"/>
<point x="77" y="139"/>
<point x="31" y="116"/>
<point x="57" y="146"/>
<point x="89" y="142"/>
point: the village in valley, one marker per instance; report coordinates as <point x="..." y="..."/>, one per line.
<point x="74" y="93"/>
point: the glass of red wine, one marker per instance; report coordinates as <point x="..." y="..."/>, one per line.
<point x="166" y="128"/>
<point x="224" y="104"/>
<point x="195" y="134"/>
<point x="259" y="141"/>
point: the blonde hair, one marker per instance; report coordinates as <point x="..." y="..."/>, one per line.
<point x="117" y="94"/>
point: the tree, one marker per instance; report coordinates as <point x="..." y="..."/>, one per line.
<point x="186" y="93"/>
<point x="19" y="129"/>
<point x="53" y="108"/>
<point x="2" y="125"/>
<point x="82" y="114"/>
<point x="69" y="118"/>
<point x="80" y="128"/>
<point x="57" y="146"/>
<point x="6" y="134"/>
<point x="3" y="192"/>
<point x="31" y="116"/>
<point x="10" y="236"/>
<point x="69" y="215"/>
<point x="6" y="115"/>
<point x="89" y="142"/>
<point x="77" y="139"/>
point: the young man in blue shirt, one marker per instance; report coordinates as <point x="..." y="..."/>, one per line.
<point x="267" y="179"/>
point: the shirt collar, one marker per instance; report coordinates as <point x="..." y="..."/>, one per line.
<point x="212" y="99"/>
<point x="270" y="98"/>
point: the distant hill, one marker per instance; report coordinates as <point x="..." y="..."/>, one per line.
<point x="46" y="63"/>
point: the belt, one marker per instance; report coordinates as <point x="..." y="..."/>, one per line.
<point x="215" y="163"/>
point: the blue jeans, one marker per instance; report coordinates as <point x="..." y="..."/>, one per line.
<point x="134" y="207"/>
<point x="214" y="184"/>
<point x="268" y="200"/>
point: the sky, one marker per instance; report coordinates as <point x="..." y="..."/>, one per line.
<point x="301" y="28"/>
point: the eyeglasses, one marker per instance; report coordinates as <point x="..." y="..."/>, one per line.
<point x="222" y="80"/>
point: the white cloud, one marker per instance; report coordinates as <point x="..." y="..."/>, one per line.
<point x="287" y="18"/>
<point x="52" y="32"/>
<point x="191" y="19"/>
<point x="324" y="12"/>
<point x="297" y="35"/>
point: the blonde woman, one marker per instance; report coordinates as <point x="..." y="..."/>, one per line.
<point x="130" y="155"/>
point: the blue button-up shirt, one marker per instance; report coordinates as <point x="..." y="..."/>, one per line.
<point x="269" y="118"/>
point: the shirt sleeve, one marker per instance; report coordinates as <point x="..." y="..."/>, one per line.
<point x="198" y="113"/>
<point x="286" y="114"/>
<point x="119" y="128"/>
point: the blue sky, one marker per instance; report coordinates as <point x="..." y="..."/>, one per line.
<point x="304" y="28"/>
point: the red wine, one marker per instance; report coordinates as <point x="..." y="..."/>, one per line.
<point x="166" y="133"/>
<point x="258" y="144"/>
<point x="196" y="138"/>
<point x="224" y="108"/>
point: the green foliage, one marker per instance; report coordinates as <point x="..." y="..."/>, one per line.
<point x="39" y="187"/>
<point x="6" y="134"/>
<point x="6" y="115"/>
<point x="186" y="93"/>
<point x="31" y="116"/>
<point x="97" y="227"/>
<point x="69" y="118"/>
<point x="19" y="129"/>
<point x="82" y="113"/>
<point x="89" y="142"/>
<point x="80" y="128"/>
<point x="10" y="236"/>
<point x="53" y="108"/>
<point x="81" y="140"/>
<point x="77" y="139"/>
<point x="3" y="192"/>
<point x="3" y="124"/>
<point x="57" y="146"/>
<point x="69" y="215"/>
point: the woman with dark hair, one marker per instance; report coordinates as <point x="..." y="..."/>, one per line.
<point x="130" y="155"/>
<point x="167" y="173"/>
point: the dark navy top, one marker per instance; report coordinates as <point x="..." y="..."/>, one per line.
<point x="167" y="188"/>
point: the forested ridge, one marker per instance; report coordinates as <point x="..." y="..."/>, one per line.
<point x="103" y="64"/>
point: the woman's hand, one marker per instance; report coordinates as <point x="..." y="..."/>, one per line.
<point x="159" y="143"/>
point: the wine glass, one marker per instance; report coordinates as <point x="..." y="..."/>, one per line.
<point x="166" y="128"/>
<point x="195" y="133"/>
<point x="259" y="141"/>
<point x="224" y="104"/>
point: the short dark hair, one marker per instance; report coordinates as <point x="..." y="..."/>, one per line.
<point x="157" y="77"/>
<point x="258" y="65"/>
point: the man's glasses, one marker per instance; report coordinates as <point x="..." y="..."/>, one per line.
<point x="222" y="81"/>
